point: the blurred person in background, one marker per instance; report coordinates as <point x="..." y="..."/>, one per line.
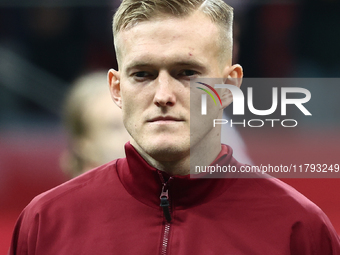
<point x="96" y="134"/>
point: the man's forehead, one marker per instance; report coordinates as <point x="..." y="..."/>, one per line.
<point x="190" y="31"/>
<point x="196" y="20"/>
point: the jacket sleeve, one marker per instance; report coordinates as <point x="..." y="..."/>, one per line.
<point x="314" y="235"/>
<point x="24" y="238"/>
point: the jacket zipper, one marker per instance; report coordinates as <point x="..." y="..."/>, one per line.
<point x="166" y="206"/>
<point x="165" y="203"/>
<point x="165" y="240"/>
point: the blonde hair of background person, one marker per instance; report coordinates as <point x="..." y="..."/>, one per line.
<point x="96" y="134"/>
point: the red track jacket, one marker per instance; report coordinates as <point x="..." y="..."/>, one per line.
<point x="115" y="209"/>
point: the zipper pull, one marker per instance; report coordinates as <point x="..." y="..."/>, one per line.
<point x="165" y="203"/>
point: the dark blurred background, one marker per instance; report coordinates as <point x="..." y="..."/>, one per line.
<point x="45" y="45"/>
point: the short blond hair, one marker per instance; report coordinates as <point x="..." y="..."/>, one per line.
<point x="132" y="12"/>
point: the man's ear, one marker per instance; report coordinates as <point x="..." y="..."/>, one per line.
<point x="114" y="84"/>
<point x="232" y="75"/>
<point x="234" y="72"/>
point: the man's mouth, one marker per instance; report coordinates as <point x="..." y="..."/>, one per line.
<point x="165" y="119"/>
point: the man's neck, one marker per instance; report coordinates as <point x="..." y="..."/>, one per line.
<point x="178" y="165"/>
<point x="202" y="154"/>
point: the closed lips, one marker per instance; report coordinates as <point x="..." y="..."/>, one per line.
<point x="166" y="118"/>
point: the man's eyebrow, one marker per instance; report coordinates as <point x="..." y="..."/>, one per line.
<point x="179" y="63"/>
<point x="192" y="63"/>
<point x="138" y="64"/>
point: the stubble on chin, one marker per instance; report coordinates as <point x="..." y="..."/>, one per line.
<point x="164" y="152"/>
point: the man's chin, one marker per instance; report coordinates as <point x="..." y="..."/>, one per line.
<point x="167" y="151"/>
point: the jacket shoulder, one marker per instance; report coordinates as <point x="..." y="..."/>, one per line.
<point x="82" y="185"/>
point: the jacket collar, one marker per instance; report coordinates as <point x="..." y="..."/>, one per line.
<point x="145" y="182"/>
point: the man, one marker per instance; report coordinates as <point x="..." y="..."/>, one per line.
<point x="96" y="134"/>
<point x="147" y="203"/>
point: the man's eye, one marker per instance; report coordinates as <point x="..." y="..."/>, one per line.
<point x="141" y="74"/>
<point x="188" y="73"/>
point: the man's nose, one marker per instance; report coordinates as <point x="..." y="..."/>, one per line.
<point x="165" y="94"/>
